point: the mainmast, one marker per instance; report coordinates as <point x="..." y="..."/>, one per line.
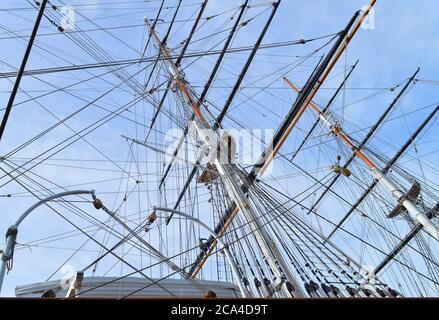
<point x="231" y="182"/>
<point x="365" y="140"/>
<point x="310" y="89"/>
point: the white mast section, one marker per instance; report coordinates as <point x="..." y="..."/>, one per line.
<point x="268" y="247"/>
<point x="402" y="198"/>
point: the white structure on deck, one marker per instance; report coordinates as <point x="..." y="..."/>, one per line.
<point x="121" y="288"/>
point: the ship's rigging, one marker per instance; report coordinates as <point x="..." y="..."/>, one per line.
<point x="322" y="224"/>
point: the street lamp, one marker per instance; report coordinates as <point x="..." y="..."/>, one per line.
<point x="11" y="234"/>
<point x="217" y="238"/>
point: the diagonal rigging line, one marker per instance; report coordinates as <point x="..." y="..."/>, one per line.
<point x="281" y="133"/>
<point x="110" y="251"/>
<point x="207" y="87"/>
<point x="100" y="28"/>
<point x="22" y="68"/>
<point x="369" y="135"/>
<point x="90" y="128"/>
<point x="153" y="26"/>
<point x="155" y="252"/>
<point x="70" y="128"/>
<point x="192" y="248"/>
<point x="83" y="232"/>
<point x="328" y="105"/>
<point x="300" y="203"/>
<point x="193" y="54"/>
<point x="233" y="93"/>
<point x="94" y="50"/>
<point x="69" y="116"/>
<point x="294" y="64"/>
<point x="156" y="63"/>
<point x="74" y="207"/>
<point x="244" y="70"/>
<point x="82" y="81"/>
<point x="180" y="57"/>
<point x="246" y="235"/>
<point x="385" y="169"/>
<point x="67" y="205"/>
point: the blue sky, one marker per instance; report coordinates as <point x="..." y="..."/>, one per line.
<point x="404" y="38"/>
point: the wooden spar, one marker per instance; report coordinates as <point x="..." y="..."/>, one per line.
<point x="385" y="170"/>
<point x="324" y="110"/>
<point x="156" y="63"/>
<point x="290" y="116"/>
<point x="318" y="85"/>
<point x="292" y="113"/>
<point x="273" y="256"/>
<point x="219" y="229"/>
<point x="204" y="93"/>
<point x="180" y="57"/>
<point x="232" y="94"/>
<point x="337" y="131"/>
<point x="244" y="70"/>
<point x="153" y="26"/>
<point x="213" y="244"/>
<point x="22" y="67"/>
<point x="381" y="176"/>
<point x="367" y="137"/>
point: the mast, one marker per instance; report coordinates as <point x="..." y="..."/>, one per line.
<point x="180" y="57"/>
<point x="229" y="100"/>
<point x="403" y="199"/>
<point x="233" y="187"/>
<point x="153" y="25"/>
<point x="311" y="90"/>
<point x="269" y="153"/>
<point x="385" y="170"/>
<point x="164" y="39"/>
<point x="328" y="105"/>
<point x="366" y="138"/>
<point x="244" y="70"/>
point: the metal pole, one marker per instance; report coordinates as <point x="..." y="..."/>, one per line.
<point x="244" y="292"/>
<point x="11" y="234"/>
<point x="20" y="72"/>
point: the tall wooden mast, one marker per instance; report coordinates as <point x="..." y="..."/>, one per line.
<point x="231" y="182"/>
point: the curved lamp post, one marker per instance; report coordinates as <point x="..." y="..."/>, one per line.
<point x="233" y="266"/>
<point x="11" y="234"/>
